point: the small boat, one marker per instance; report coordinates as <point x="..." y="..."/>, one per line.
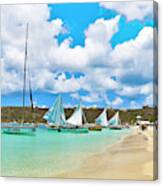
<point x="101" y="121"/>
<point x="95" y="128"/>
<point x="55" y="116"/>
<point x="73" y="130"/>
<point x="23" y="128"/>
<point x="118" y="127"/>
<point x="75" y="123"/>
<point x="19" y="129"/>
<point x="115" y="122"/>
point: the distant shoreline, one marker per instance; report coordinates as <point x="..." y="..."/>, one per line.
<point x="11" y="114"/>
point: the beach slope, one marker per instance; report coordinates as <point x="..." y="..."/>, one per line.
<point x="131" y="158"/>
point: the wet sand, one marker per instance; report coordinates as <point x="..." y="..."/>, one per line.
<point x="131" y="158"/>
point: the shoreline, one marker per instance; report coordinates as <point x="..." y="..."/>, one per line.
<point x="131" y="157"/>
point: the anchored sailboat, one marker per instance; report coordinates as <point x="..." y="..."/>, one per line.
<point x="76" y="117"/>
<point x="75" y="122"/>
<point x="55" y="115"/>
<point x="23" y="128"/>
<point x="102" y="119"/>
<point x="115" y="122"/>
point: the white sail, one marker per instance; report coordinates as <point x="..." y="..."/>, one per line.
<point x="102" y="119"/>
<point x="115" y="120"/>
<point x="76" y="117"/>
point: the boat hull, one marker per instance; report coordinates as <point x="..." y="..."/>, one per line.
<point x="52" y="128"/>
<point x="73" y="130"/>
<point x="17" y="129"/>
<point x="95" y="128"/>
<point x="115" y="127"/>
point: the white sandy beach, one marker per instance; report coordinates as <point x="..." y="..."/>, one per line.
<point x="131" y="158"/>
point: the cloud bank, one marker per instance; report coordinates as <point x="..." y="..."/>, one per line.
<point x="127" y="69"/>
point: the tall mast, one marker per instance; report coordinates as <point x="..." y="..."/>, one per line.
<point x="31" y="95"/>
<point x="25" y="69"/>
<point x="30" y="89"/>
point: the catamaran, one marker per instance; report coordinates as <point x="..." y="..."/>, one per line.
<point x="23" y="128"/>
<point x="115" y="122"/>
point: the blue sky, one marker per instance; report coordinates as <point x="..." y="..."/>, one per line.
<point x="76" y="19"/>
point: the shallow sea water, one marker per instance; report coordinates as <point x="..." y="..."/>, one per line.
<point x="49" y="153"/>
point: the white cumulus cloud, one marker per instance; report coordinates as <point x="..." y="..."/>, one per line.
<point x="126" y="69"/>
<point x="132" y="10"/>
<point x="117" y="102"/>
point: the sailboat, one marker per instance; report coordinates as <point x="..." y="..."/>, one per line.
<point x="115" y="122"/>
<point x="101" y="120"/>
<point x="23" y="128"/>
<point x="75" y="122"/>
<point x="55" y="116"/>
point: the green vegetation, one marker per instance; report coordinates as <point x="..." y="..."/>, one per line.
<point x="10" y="114"/>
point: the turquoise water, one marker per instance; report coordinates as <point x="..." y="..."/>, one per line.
<point x="48" y="153"/>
